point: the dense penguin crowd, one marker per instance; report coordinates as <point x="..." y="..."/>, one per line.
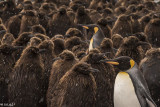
<point x="80" y="53"/>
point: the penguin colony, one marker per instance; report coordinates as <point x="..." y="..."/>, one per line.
<point x="80" y="53"/>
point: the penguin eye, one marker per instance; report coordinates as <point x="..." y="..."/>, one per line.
<point x="95" y="29"/>
<point x="132" y="63"/>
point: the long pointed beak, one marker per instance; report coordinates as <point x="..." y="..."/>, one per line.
<point x="55" y="59"/>
<point x="41" y="50"/>
<point x="94" y="70"/>
<point x="86" y="27"/>
<point x="142" y="43"/>
<point x="110" y="62"/>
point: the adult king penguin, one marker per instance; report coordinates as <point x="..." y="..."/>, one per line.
<point x="130" y="89"/>
<point x="97" y="37"/>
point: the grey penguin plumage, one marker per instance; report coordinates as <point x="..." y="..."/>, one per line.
<point x="130" y="88"/>
<point x="97" y="37"/>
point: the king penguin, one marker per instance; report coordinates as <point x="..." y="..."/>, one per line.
<point x="97" y="37"/>
<point x="130" y="89"/>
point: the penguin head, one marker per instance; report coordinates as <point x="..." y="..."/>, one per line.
<point x="123" y="63"/>
<point x="92" y="27"/>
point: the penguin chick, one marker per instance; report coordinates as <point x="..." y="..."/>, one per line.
<point x="152" y="32"/>
<point x="132" y="48"/>
<point x="143" y="37"/>
<point x="71" y="42"/>
<point x="41" y="36"/>
<point x="122" y="26"/>
<point x="150" y="68"/>
<point x="77" y="80"/>
<point x="117" y="40"/>
<point x="38" y="29"/>
<point x="130" y="87"/>
<point x="107" y="47"/>
<point x="6" y="64"/>
<point x="105" y="28"/>
<point x="104" y="79"/>
<point x="34" y="41"/>
<point x="58" y="46"/>
<point x="74" y="32"/>
<point x="26" y="79"/>
<point x="62" y="64"/>
<point x="7" y="39"/>
<point x="47" y="59"/>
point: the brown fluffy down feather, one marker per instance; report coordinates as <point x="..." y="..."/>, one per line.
<point x="131" y="48"/>
<point x="71" y="42"/>
<point x="26" y="79"/>
<point x="107" y="47"/>
<point x="47" y="59"/>
<point x="7" y="39"/>
<point x="122" y="26"/>
<point x="73" y="82"/>
<point x="59" y="23"/>
<point x="59" y="68"/>
<point x="29" y="19"/>
<point x="153" y="32"/>
<point x="104" y="79"/>
<point x="6" y="64"/>
<point x="11" y="28"/>
<point x="58" y="46"/>
<point x="117" y="40"/>
<point x="35" y="41"/>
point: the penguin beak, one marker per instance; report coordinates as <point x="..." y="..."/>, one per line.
<point x="31" y="35"/>
<point x="110" y="62"/>
<point x="94" y="70"/>
<point x="55" y="59"/>
<point x="142" y="43"/>
<point x="41" y="50"/>
<point x="2" y="31"/>
<point x="86" y="27"/>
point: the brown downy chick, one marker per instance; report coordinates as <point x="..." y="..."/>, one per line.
<point x="117" y="40"/>
<point x="152" y="32"/>
<point x="136" y="27"/>
<point x="11" y="28"/>
<point x="82" y="16"/>
<point x="58" y="46"/>
<point x="7" y="39"/>
<point x="6" y="64"/>
<point x="29" y="19"/>
<point x="34" y="41"/>
<point x="144" y="21"/>
<point x="59" y="23"/>
<point x="26" y="79"/>
<point x="143" y="37"/>
<point x="104" y="79"/>
<point x="42" y="36"/>
<point x="38" y="29"/>
<point x="107" y="48"/>
<point x="63" y="63"/>
<point x="77" y="80"/>
<point x="105" y="28"/>
<point x="131" y="47"/>
<point x="47" y="59"/>
<point x="71" y="42"/>
<point x="74" y="32"/>
<point x="122" y="26"/>
<point x="3" y="31"/>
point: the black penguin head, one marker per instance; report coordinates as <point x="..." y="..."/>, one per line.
<point x="84" y="68"/>
<point x="93" y="27"/>
<point x="123" y="63"/>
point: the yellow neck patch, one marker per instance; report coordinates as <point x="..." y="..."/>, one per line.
<point x="132" y="63"/>
<point x="95" y="29"/>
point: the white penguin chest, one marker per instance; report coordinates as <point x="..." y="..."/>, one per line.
<point x="91" y="44"/>
<point x="124" y="92"/>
